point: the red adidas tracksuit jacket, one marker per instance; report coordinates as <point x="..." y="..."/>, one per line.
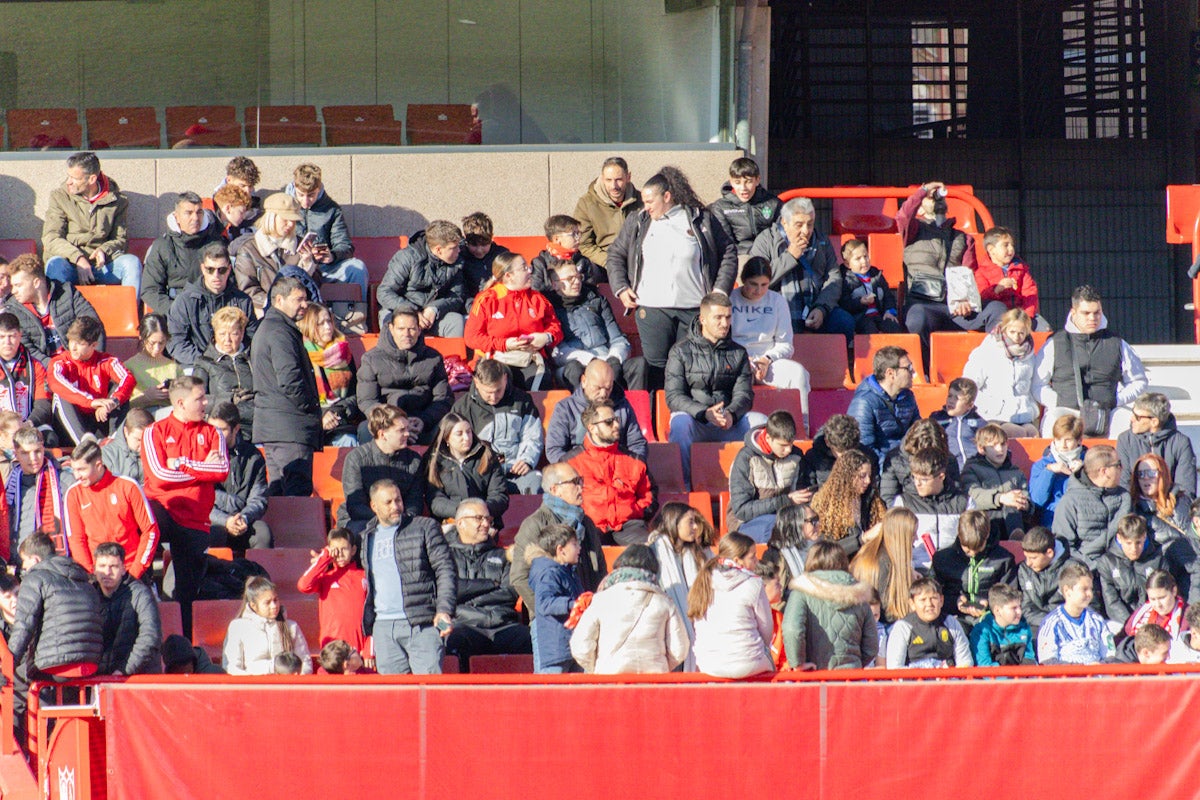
<point x="81" y="382"/>
<point x="186" y="488"/>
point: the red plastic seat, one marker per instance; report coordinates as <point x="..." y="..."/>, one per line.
<point x="122" y="347"/>
<point x="138" y="247"/>
<point x="296" y="521"/>
<point x="824" y="356"/>
<point x="448" y="346"/>
<point x="930" y="397"/>
<point x="863" y="215"/>
<point x="285" y="565"/>
<point x="767" y="401"/>
<point x="282" y="125"/>
<point x="327" y="472"/>
<point x="11" y="248"/>
<point x="203" y="126"/>
<point x="823" y="404"/>
<point x="665" y="465"/>
<point x="625" y="322"/>
<point x="441" y="123"/>
<point x="376" y="252"/>
<point x="701" y="501"/>
<point x="116" y="306"/>
<point x="501" y="665"/>
<point x="1027" y="452"/>
<point x="1018" y="553"/>
<point x="521" y="506"/>
<point x="359" y="345"/>
<point x="886" y="252"/>
<point x="170" y="618"/>
<point x="545" y="403"/>
<point x="949" y="351"/>
<point x="528" y="247"/>
<point x="866" y="345"/>
<point x="711" y="462"/>
<point x="210" y="621"/>
<point x="639" y="401"/>
<point x="362" y="125"/>
<point x="44" y="129"/>
<point x="119" y="127"/>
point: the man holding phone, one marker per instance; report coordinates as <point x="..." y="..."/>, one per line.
<point x="322" y="227"/>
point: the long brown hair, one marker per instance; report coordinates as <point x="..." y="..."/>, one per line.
<point x="1164" y="500"/>
<point x="666" y="524"/>
<point x="441" y="449"/>
<point x="733" y="546"/>
<point x="837" y="501"/>
<point x="256" y="587"/>
<point x="895" y="539"/>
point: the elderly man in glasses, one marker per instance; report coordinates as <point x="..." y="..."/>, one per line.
<point x="190" y="319"/>
<point x="1153" y="430"/>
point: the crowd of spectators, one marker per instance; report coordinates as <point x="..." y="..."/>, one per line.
<point x="243" y="374"/>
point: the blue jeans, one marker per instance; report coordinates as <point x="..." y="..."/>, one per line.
<point x="401" y="649"/>
<point x="348" y="270"/>
<point x="124" y="270"/>
<point x="759" y="529"/>
<point x="685" y="430"/>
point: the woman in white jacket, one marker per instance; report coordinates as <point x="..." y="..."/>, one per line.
<point x="762" y="323"/>
<point x="261" y="632"/>
<point x="731" y="614"/>
<point x="631" y="625"/>
<point x="1002" y="368"/>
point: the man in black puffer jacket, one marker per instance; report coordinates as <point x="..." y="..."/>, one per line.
<point x="190" y="320"/>
<point x="746" y="208"/>
<point x="386" y="456"/>
<point x="405" y="372"/>
<point x="174" y="259"/>
<point x="411" y="586"/>
<point x="132" y="630"/>
<point x="427" y="277"/>
<point x="710" y="387"/>
<point x="58" y="622"/>
<point x="485" y="621"/>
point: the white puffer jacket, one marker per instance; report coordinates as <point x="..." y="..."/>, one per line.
<point x="630" y="627"/>
<point x="252" y="642"/>
<point x="733" y="639"/>
<point x="1005" y="385"/>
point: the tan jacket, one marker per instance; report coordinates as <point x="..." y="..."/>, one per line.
<point x="600" y="219"/>
<point x="74" y="227"/>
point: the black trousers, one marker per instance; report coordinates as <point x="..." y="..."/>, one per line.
<point x="659" y="329"/>
<point x="289" y="469"/>
<point x="187" y="560"/>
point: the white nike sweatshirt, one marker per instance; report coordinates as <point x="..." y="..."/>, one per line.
<point x="763" y="328"/>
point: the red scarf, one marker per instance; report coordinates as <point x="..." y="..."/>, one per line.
<point x="560" y="252"/>
<point x="102" y="185"/>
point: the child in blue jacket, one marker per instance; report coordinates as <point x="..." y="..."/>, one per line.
<point x="1002" y="638"/>
<point x="1062" y="459"/>
<point x="556" y="590"/>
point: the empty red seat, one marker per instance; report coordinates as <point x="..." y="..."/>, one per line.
<point x="665" y="465"/>
<point x="823" y="404"/>
<point x="863" y="215"/>
<point x="296" y="521"/>
<point x="282" y="125"/>
<point x="639" y="401"/>
<point x="376" y="252"/>
<point x="285" y="565"/>
<point x="501" y="665"/>
<point x="824" y="356"/>
<point x="711" y="462"/>
<point x="128" y="126"/>
<point x="767" y="401"/>
<point x="11" y="248"/>
<point x="44" y="129"/>
<point x="170" y="618"/>
<point x="362" y="125"/>
<point x="528" y="247"/>
<point x="116" y="306"/>
<point x="521" y="506"/>
<point x="448" y="345"/>
<point x="867" y="345"/>
<point x="210" y="621"/>
<point x="203" y="126"/>
<point x="441" y="123"/>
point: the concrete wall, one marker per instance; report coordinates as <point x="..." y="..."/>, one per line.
<point x="383" y="193"/>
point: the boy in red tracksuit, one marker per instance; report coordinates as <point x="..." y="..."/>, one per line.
<point x="1001" y="275"/>
<point x="90" y="387"/>
<point x="340" y="583"/>
<point x="103" y="507"/>
<point x="184" y="459"/>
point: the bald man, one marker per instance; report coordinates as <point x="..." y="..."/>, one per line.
<point x="564" y="439"/>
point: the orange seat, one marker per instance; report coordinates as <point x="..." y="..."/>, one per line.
<point x="611" y="553"/>
<point x="221" y="553"/>
<point x="1014" y="547"/>
<point x="639" y="401"/>
<point x="1027" y="452"/>
<point x="507" y="535"/>
<point x="866" y="345"/>
<point x="823" y="404"/>
<point x="1183" y="205"/>
<point x="296" y="521"/>
<point x="116" y="307"/>
<point x="886" y="252"/>
<point x="701" y="501"/>
<point x="711" y="462"/>
<point x="442" y="123"/>
<point x="122" y="347"/>
<point x="203" y="126"/>
<point x="210" y="621"/>
<point x="129" y="126"/>
<point x="286" y="125"/>
<point x="376" y="252"/>
<point x="665" y="466"/>
<point x="950" y="350"/>
<point x="304" y="609"/>
<point x="11" y="248"/>
<point x="44" y="129"/>
<point x="362" y="125"/>
<point x="359" y="345"/>
<point x="501" y="665"/>
<point x="723" y="501"/>
<point x="625" y="322"/>
<point x="528" y="247"/>
<point x="930" y="397"/>
<point x="285" y="565"/>
<point x="327" y="472"/>
<point x="448" y="346"/>
<point x="768" y="400"/>
<point x="824" y="356"/>
<point x="545" y="403"/>
<point x="170" y="618"/>
<point x="863" y="215"/>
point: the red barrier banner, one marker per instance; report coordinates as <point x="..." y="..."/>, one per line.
<point x="1050" y="737"/>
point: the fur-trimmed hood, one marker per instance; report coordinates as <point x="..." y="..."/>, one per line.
<point x="836" y="587"/>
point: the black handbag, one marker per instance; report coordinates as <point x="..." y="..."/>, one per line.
<point x="1093" y="415"/>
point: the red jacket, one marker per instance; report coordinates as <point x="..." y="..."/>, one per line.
<point x="81" y="382"/>
<point x="342" y="593"/>
<point x="499" y="314"/>
<point x="186" y="488"/>
<point x="112" y="510"/>
<point x="988" y="274"/>
<point x="616" y="486"/>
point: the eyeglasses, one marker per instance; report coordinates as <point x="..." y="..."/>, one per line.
<point x="1142" y="416"/>
<point x="606" y="421"/>
<point x="1147" y="473"/>
<point x="477" y="518"/>
<point x="576" y="481"/>
<point x="215" y="270"/>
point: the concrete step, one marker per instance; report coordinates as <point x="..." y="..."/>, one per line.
<point x="1174" y="370"/>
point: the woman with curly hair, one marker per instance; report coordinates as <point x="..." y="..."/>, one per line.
<point x="895" y="478"/>
<point x="886" y="563"/>
<point x="1165" y="509"/>
<point x="848" y="504"/>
